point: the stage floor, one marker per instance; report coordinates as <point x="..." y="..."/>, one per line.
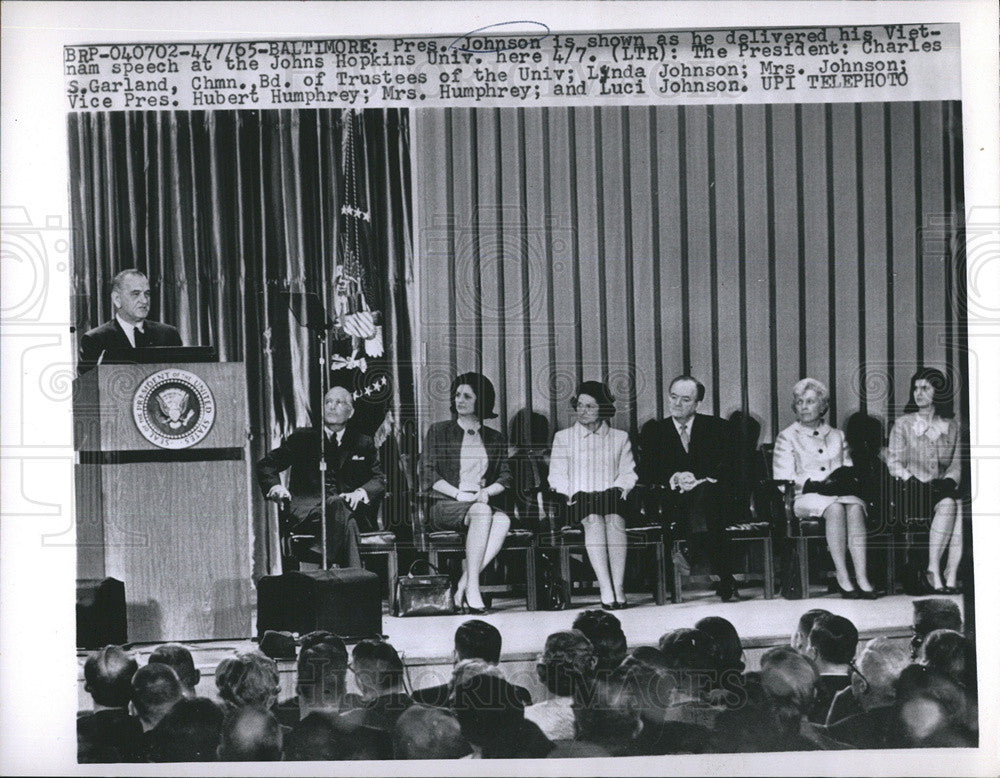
<point x="426" y="642"/>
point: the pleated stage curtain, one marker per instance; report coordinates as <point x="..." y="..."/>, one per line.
<point x="223" y="211"/>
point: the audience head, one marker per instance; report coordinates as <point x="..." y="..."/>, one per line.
<point x="108" y="676"/>
<point x="930" y="386"/>
<point x="465" y="669"/>
<point x="806" y="621"/>
<point x="529" y="429"/>
<point x="833" y="641"/>
<point x="952" y="654"/>
<point x="568" y="661"/>
<point x="315" y="738"/>
<point x="608" y="716"/>
<point x="931" y="614"/>
<point x="645" y="675"/>
<point x="878" y="668"/>
<point x="593" y="393"/>
<point x="604" y="631"/>
<point x="685" y="392"/>
<point x="422" y="732"/>
<point x="179" y="658"/>
<point x="490" y="712"/>
<point x="688" y="649"/>
<point x="321" y="671"/>
<point x="377" y="667"/>
<point x="864" y="435"/>
<point x="810" y="400"/>
<point x="250" y="734"/>
<point x="789" y="682"/>
<point x="746" y="429"/>
<point x="930" y="709"/>
<point x="249" y="678"/>
<point x="189" y="732"/>
<point x="155" y="690"/>
<point x="477" y="389"/>
<point x="727" y="647"/>
<point x="477" y="639"/>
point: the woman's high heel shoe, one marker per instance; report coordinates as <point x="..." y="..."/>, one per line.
<point x="927" y="581"/>
<point x="847" y="594"/>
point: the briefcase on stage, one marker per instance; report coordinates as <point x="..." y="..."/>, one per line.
<point x="424" y="595"/>
<point x="346" y="601"/>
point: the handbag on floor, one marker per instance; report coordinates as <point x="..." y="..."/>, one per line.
<point x="424" y="595"/>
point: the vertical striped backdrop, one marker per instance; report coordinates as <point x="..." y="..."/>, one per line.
<point x="750" y="245"/>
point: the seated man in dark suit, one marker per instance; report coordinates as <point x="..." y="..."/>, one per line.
<point x="474" y="639"/>
<point x="354" y="480"/>
<point x="117" y="340"/>
<point x="155" y="690"/>
<point x="109" y="733"/>
<point x="691" y="457"/>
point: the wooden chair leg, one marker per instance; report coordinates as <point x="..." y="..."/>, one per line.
<point x="890" y="564"/>
<point x="660" y="557"/>
<point x="392" y="572"/>
<point x="531" y="576"/>
<point x="677" y="596"/>
<point x="803" y="546"/>
<point x="432" y="556"/>
<point x="768" y="569"/>
<point x="564" y="571"/>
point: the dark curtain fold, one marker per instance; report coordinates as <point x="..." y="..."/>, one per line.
<point x="224" y="210"/>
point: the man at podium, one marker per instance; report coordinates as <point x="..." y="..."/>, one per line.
<point x="354" y="480"/>
<point x="117" y="340"/>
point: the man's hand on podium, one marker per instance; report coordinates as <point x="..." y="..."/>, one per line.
<point x="279" y="494"/>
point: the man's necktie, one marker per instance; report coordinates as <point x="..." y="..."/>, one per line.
<point x="685" y="437"/>
<point x="141" y="341"/>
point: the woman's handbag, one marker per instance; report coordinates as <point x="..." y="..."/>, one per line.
<point x="424" y="595"/>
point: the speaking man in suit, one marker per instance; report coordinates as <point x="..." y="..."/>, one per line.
<point x="117" y="340"/>
<point x="691" y="458"/>
<point x="354" y="480"/>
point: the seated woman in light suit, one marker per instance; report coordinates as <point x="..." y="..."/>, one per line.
<point x="923" y="454"/>
<point x="592" y="466"/>
<point x="464" y="465"/>
<point x="810" y="450"/>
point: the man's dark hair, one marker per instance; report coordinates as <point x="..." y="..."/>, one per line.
<point x="688" y="649"/>
<point x="954" y="655"/>
<point x="604" y="631"/>
<point x="118" y="281"/>
<point x="935" y="613"/>
<point x="321" y="670"/>
<point x="155" y="689"/>
<point x="477" y="639"/>
<point x="727" y="646"/>
<point x="249" y="678"/>
<point x="422" y="732"/>
<point x="250" y="734"/>
<point x="188" y="733"/>
<point x="835" y="639"/>
<point x="179" y="658"/>
<point x="108" y="674"/>
<point x="315" y="738"/>
<point x="607" y="716"/>
<point x="569" y="661"/>
<point x="807" y="619"/>
<point x="378" y="664"/>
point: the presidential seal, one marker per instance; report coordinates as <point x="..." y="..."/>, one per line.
<point x="173" y="408"/>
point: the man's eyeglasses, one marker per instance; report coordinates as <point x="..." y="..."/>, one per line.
<point x="864" y="685"/>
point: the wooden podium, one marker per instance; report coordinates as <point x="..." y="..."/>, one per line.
<point x="163" y="495"/>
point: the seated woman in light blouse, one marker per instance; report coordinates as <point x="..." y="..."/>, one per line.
<point x="592" y="467"/>
<point x="810" y="449"/>
<point x="464" y="465"/>
<point x="923" y="454"/>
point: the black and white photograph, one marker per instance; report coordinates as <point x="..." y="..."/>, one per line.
<point x="505" y="385"/>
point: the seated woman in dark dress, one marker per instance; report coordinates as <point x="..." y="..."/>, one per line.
<point x="464" y="466"/>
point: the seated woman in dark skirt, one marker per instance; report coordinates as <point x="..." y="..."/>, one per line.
<point x="923" y="456"/>
<point x="464" y="465"/>
<point x="592" y="466"/>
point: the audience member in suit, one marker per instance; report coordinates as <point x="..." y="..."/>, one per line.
<point x="464" y="466"/>
<point x="567" y="662"/>
<point x="320" y="681"/>
<point x="529" y="467"/>
<point x="953" y="655"/>
<point x="832" y="644"/>
<point x="930" y="711"/>
<point x="604" y="631"/>
<point x="868" y="701"/>
<point x="689" y="655"/>
<point x="117" y="340"/>
<point x="492" y="720"/>
<point x="689" y="461"/>
<point x="155" y="690"/>
<point x="189" y="732"/>
<point x="807" y="453"/>
<point x="930" y="614"/>
<point x="379" y="674"/>
<point x="179" y="658"/>
<point x="108" y="733"/>
<point x="423" y="732"/>
<point x="250" y="734"/>
<point x="474" y="639"/>
<point x="801" y="635"/>
<point x="249" y="678"/>
<point x="315" y="738"/>
<point x="923" y="454"/>
<point x="354" y="480"/>
<point x="607" y="717"/>
<point x="727" y="656"/>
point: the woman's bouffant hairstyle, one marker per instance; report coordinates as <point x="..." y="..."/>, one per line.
<point x="600" y="392"/>
<point x="249" y="678"/>
<point x="482" y="387"/>
<point x="819" y="387"/>
<point x="944" y="392"/>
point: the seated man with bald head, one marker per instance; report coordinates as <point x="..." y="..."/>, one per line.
<point x="109" y="733"/>
<point x="424" y="732"/>
<point x="354" y="480"/>
<point x="250" y="735"/>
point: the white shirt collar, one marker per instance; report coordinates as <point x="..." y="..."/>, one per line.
<point x="822" y="429"/>
<point x="583" y="432"/>
<point x="129" y="329"/>
<point x="678" y="426"/>
<point x="339" y="435"/>
<point x="931" y="430"/>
